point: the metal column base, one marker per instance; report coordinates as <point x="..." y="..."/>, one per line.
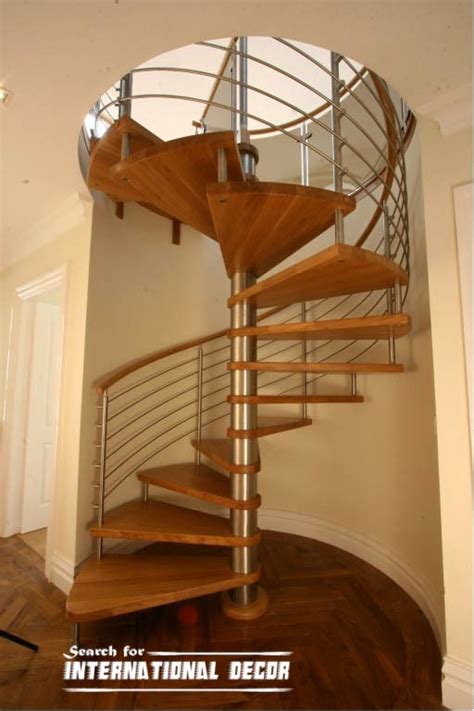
<point x="244" y="610"/>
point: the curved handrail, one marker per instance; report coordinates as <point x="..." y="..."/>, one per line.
<point x="106" y="381"/>
<point x="389" y="114"/>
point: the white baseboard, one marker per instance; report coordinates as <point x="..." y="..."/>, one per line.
<point x="458" y="688"/>
<point x="312" y="526"/>
<point x="62" y="572"/>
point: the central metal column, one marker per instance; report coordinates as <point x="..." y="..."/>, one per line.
<point x="245" y="451"/>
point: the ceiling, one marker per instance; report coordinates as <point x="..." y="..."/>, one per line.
<point x="58" y="57"/>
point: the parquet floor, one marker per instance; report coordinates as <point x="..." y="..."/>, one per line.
<point x="358" y="641"/>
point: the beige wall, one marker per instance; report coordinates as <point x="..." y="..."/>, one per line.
<point x="71" y="249"/>
<point x="144" y="294"/>
<point x="370" y="470"/>
<point x="446" y="162"/>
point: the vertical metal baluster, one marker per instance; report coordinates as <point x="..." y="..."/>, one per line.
<point x="390" y="292"/>
<point x="199" y="410"/>
<point x="125" y="109"/>
<point x="304" y="160"/>
<point x="304" y="358"/>
<point x="102" y="470"/>
<point x="233" y="92"/>
<point x="354" y="384"/>
<point x="337" y="141"/>
<point x="248" y="152"/>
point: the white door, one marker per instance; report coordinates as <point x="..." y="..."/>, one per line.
<point x="41" y="419"/>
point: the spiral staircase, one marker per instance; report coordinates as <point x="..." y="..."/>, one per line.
<point x="209" y="182"/>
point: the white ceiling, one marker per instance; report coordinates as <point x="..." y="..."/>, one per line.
<point x="57" y="57"/>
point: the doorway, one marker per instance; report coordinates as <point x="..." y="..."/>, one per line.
<point x="33" y="393"/>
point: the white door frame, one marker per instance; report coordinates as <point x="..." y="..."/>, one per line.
<point x="16" y="399"/>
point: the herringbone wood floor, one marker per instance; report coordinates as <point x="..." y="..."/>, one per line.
<point x="358" y="641"/>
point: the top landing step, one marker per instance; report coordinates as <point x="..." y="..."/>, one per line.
<point x="335" y="271"/>
<point x="259" y="224"/>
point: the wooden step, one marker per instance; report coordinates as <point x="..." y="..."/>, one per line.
<point x="106" y="153"/>
<point x="268" y="426"/>
<point x="335" y="271"/>
<point x="260" y="224"/>
<point x="198" y="481"/>
<point x="119" y="584"/>
<point x="292" y="399"/>
<point x="219" y="451"/>
<point x="173" y="177"/>
<point x="156" y="521"/>
<point x="278" y="367"/>
<point x="344" y="329"/>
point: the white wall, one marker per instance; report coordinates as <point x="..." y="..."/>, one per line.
<point x="446" y="162"/>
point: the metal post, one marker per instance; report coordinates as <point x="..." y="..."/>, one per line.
<point x="354" y="384"/>
<point x="245" y="451"/>
<point x="304" y="156"/>
<point x="125" y="109"/>
<point x="390" y="291"/>
<point x="337" y="141"/>
<point x="233" y="91"/>
<point x="248" y="153"/>
<point x="304" y="358"/>
<point x="102" y="469"/>
<point x="199" y="409"/>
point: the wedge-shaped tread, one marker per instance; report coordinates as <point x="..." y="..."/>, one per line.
<point x="260" y="224"/>
<point x="335" y="271"/>
<point x="157" y="521"/>
<point x="293" y="399"/>
<point x="344" y="329"/>
<point x="106" y="153"/>
<point x="119" y="584"/>
<point x="198" y="481"/>
<point x="279" y="367"/>
<point x="219" y="451"/>
<point x="268" y="426"/>
<point x="173" y="177"/>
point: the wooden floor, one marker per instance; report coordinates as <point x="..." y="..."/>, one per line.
<point x="36" y="540"/>
<point x="358" y="641"/>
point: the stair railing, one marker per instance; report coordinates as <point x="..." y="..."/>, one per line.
<point x="151" y="405"/>
<point x="362" y="115"/>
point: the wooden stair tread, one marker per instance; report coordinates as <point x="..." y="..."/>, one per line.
<point x="198" y="481"/>
<point x="364" y="328"/>
<point x="270" y="425"/>
<point x="157" y="521"/>
<point x="106" y="152"/>
<point x="297" y="367"/>
<point x="293" y="399"/>
<point x="219" y="451"/>
<point x="173" y="176"/>
<point x="258" y="225"/>
<point x="118" y="584"/>
<point x="335" y="271"/>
